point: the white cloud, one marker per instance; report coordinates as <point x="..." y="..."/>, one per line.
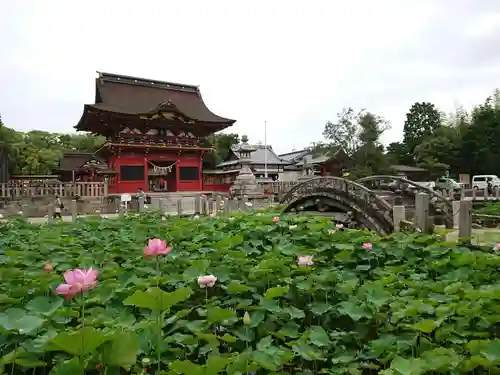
<point x="292" y="63"/>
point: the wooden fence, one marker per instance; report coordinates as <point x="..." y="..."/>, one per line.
<point x="11" y="190"/>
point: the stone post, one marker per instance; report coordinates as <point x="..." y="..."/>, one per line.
<point x="74" y="210"/>
<point x="218" y="201"/>
<point x="210" y="205"/>
<point x="203" y="205"/>
<point x="422" y="211"/>
<point x="497" y="193"/>
<point x="465" y="221"/>
<point x="50" y="213"/>
<point x="456" y="213"/>
<point x="162" y="205"/>
<point x="140" y="206"/>
<point x="485" y="193"/>
<point x="244" y="202"/>
<point x="121" y="209"/>
<point x="398" y="214"/>
<point x="227" y="207"/>
<point x="179" y="207"/>
<point x="197" y="204"/>
<point x="474" y="194"/>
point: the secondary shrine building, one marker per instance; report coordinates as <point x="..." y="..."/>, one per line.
<point x="154" y="131"/>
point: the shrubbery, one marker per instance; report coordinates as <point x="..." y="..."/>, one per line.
<point x="406" y="304"/>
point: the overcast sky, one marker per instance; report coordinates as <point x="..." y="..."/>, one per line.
<point x="292" y="63"/>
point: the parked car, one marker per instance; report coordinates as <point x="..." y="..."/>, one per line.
<point x="446" y="183"/>
<point x="481" y="181"/>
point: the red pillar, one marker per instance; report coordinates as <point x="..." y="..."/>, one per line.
<point x="177" y="175"/>
<point x="146" y="182"/>
<point x="200" y="170"/>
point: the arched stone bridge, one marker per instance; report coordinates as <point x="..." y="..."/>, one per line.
<point x="369" y="207"/>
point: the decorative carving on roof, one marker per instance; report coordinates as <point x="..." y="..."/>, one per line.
<point x="91" y="164"/>
<point x="167" y="104"/>
<point x="119" y="95"/>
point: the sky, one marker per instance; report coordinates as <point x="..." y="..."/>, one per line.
<point x="292" y="64"/>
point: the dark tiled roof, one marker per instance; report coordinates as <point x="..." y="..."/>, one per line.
<point x="294" y="155"/>
<point x="258" y="156"/>
<point x="74" y="160"/>
<point x="136" y="96"/>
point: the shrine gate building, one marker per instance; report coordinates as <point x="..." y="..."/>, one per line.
<point x="155" y="133"/>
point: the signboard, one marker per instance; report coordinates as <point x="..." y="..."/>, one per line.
<point x="125" y="198"/>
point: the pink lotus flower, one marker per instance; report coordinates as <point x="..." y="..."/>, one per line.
<point x="77" y="281"/>
<point x="496" y="247"/>
<point x="339" y="225"/>
<point x="207" y="281"/>
<point x="367" y="245"/>
<point x="276" y="220"/>
<point x="331" y="231"/>
<point x="306" y="260"/>
<point x="48" y="267"/>
<point x="156" y="247"/>
<point x="163" y="219"/>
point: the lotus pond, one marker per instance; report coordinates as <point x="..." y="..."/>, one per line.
<point x="363" y="304"/>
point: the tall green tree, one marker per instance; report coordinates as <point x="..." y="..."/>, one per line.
<point x="398" y="153"/>
<point x="422" y="121"/>
<point x="358" y="134"/>
<point x="343" y="133"/>
<point x="369" y="158"/>
<point x="221" y="143"/>
<point x="480" y="144"/>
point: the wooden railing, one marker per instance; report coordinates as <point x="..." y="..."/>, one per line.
<point x="12" y="190"/>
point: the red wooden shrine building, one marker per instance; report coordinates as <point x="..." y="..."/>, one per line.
<point x="154" y="131"/>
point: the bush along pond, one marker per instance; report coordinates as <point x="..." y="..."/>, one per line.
<point x="250" y="293"/>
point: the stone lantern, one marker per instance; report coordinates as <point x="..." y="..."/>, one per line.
<point x="245" y="183"/>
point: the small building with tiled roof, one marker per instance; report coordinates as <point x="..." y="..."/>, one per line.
<point x="304" y="162"/>
<point x="262" y="156"/>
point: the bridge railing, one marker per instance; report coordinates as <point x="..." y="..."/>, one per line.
<point x="278" y="188"/>
<point x="12" y="190"/>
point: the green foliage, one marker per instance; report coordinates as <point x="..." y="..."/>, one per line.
<point x="409" y="305"/>
<point x="490" y="208"/>
<point x="422" y="121"/>
<point x="358" y="135"/>
<point x="221" y="143"/>
<point x="39" y="152"/>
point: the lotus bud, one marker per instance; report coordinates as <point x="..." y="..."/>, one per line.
<point x="246" y="318"/>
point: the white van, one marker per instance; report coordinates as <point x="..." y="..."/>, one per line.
<point x="481" y="181"/>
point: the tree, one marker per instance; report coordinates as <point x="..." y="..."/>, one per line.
<point x="358" y="135"/>
<point x="344" y="133"/>
<point x="422" y="120"/>
<point x="398" y="153"/>
<point x="369" y="157"/>
<point x="221" y="143"/>
<point x="39" y="152"/>
<point x="480" y="143"/>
